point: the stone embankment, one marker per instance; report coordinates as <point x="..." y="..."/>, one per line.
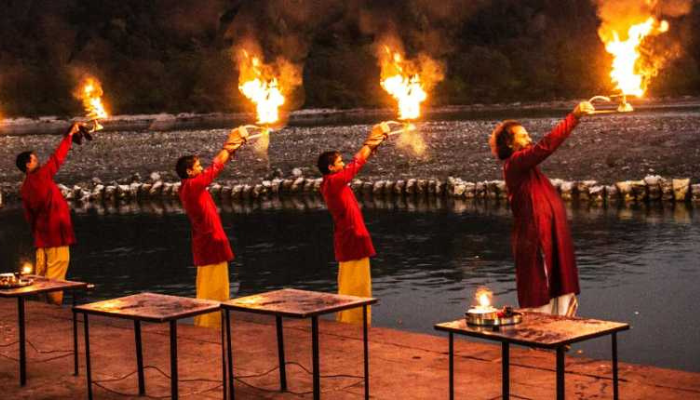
<point x="652" y="188"/>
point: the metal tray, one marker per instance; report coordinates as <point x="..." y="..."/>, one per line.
<point x="477" y="320"/>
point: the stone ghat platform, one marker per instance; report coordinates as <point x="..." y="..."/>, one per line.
<point x="402" y="365"/>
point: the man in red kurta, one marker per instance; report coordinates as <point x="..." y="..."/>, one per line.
<point x="546" y="273"/>
<point x="210" y="245"/>
<point x="351" y="241"/>
<point x="47" y="212"/>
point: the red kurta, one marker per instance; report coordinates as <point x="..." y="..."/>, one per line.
<point x="350" y="236"/>
<point x="540" y="228"/>
<point x="44" y="207"/>
<point x="210" y="244"/>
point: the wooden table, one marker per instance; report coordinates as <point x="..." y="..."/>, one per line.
<point x="41" y="285"/>
<point x="293" y="303"/>
<point x="146" y="307"/>
<point x="541" y="331"/>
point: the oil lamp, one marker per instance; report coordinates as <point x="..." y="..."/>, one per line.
<point x="484" y="314"/>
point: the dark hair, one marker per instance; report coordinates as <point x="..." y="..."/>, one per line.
<point x="325" y="160"/>
<point x="501" y="140"/>
<point x="22" y="159"/>
<point x="183" y="164"/>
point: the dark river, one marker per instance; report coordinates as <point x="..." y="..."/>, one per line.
<point x="639" y="264"/>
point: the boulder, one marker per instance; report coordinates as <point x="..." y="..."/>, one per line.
<point x="680" y="189"/>
<point x="411" y="186"/>
<point x="469" y="190"/>
<point x="567" y="190"/>
<point x="400" y="187"/>
<point x="596" y="194"/>
<point x="624" y="188"/>
<point x="653" y="187"/>
<point x="695" y="193"/>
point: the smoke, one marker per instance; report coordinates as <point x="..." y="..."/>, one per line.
<point x="619" y="15"/>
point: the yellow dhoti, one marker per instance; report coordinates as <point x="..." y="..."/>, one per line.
<point x="565" y="305"/>
<point x="212" y="284"/>
<point x="355" y="279"/>
<point x="52" y="262"/>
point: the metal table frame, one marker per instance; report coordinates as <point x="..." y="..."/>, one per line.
<point x="139" y="346"/>
<point x="226" y="311"/>
<point x="21" y="322"/>
<point x="560" y="355"/>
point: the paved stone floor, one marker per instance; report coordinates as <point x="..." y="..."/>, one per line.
<point x="402" y="365"/>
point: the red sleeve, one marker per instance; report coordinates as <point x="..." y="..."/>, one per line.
<point x="208" y="175"/>
<point x="350" y="171"/>
<point x="530" y="157"/>
<point x="59" y="156"/>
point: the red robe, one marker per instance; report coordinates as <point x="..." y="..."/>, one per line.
<point x="350" y="236"/>
<point x="44" y="207"/>
<point x="210" y="244"/>
<point x="540" y="229"/>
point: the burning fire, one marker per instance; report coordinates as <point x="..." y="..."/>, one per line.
<point x="90" y="93"/>
<point x="258" y="84"/>
<point x="408" y="82"/>
<point x="629" y="76"/>
<point x="27" y="268"/>
<point x="483" y="297"/>
<point x="402" y="82"/>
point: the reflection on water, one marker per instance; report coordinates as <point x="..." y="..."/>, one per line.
<point x="638" y="264"/>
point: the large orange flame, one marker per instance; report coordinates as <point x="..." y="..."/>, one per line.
<point x="90" y="93"/>
<point x="401" y="80"/>
<point x="628" y="73"/>
<point x="257" y="83"/>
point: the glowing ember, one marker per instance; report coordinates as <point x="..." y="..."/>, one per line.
<point x="258" y="84"/>
<point x="90" y="93"/>
<point x="628" y="74"/>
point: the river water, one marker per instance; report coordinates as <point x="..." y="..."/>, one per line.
<point x="638" y="264"/>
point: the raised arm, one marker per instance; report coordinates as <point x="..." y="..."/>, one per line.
<point x="533" y="155"/>
<point x="374" y="139"/>
<point x="235" y="140"/>
<point x="61" y="152"/>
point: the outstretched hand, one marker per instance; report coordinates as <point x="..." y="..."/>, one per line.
<point x="237" y="138"/>
<point x="583" y="108"/>
<point x="377" y="135"/>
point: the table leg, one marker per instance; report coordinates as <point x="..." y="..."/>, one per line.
<point x="315" y="358"/>
<point x="22" y="342"/>
<point x="505" y="372"/>
<point x="561" y="386"/>
<point x="173" y="359"/>
<point x="75" y="338"/>
<point x="139" y="357"/>
<point x="280" y="352"/>
<point x="452" y="366"/>
<point x="365" y="344"/>
<point x="616" y="392"/>
<point x="87" y="355"/>
<point x="223" y="353"/>
<point x="229" y="353"/>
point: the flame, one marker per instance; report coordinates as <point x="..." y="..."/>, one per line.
<point x="257" y="84"/>
<point x="483" y="296"/>
<point x="402" y="84"/>
<point x="27" y="268"/>
<point x="629" y="76"/>
<point x="90" y="93"/>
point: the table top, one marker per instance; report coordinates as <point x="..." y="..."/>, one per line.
<point x="296" y="303"/>
<point x="150" y="307"/>
<point x="538" y="330"/>
<point x="42" y="285"/>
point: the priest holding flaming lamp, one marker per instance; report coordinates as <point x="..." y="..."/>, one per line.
<point x="545" y="265"/>
<point x="210" y="246"/>
<point x="47" y="212"/>
<point x="351" y="241"/>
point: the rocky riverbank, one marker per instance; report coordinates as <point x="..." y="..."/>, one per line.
<point x="609" y="149"/>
